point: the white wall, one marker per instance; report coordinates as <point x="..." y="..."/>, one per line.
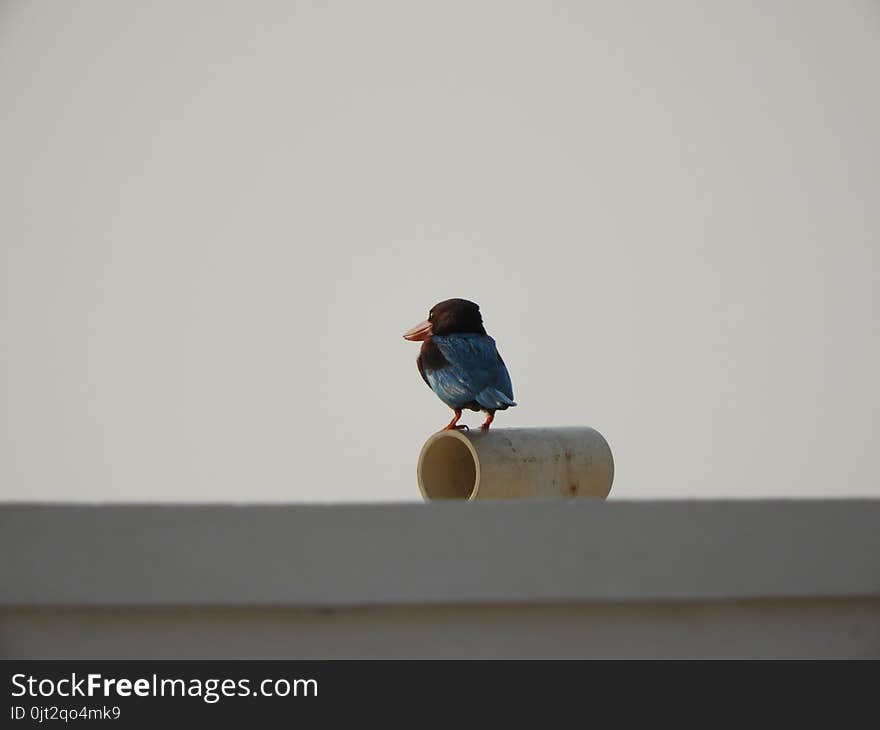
<point x="798" y="629"/>
<point x="216" y="218"/>
<point x="582" y="578"/>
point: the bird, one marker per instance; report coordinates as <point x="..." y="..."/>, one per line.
<point x="460" y="362"/>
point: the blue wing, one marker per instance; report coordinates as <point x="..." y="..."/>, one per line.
<point x="474" y="373"/>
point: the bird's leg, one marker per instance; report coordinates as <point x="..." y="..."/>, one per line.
<point x="452" y="426"/>
<point x="488" y="422"/>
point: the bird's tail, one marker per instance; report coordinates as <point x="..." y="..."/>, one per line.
<point x="494" y="399"/>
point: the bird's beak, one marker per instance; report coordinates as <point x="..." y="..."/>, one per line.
<point x="421" y="331"/>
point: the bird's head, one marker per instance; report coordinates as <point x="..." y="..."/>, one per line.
<point x="449" y="317"/>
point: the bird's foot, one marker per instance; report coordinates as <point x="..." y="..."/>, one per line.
<point x="484" y="427"/>
<point x="451" y="426"/>
<point x="462" y="427"/>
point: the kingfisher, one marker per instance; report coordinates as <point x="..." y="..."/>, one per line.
<point x="460" y="362"/>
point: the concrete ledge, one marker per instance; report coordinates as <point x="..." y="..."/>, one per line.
<point x="774" y="629"/>
<point x="456" y="553"/>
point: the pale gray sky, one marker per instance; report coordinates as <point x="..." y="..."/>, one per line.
<point x="219" y="217"/>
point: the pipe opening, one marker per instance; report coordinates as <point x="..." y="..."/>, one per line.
<point x="448" y="468"/>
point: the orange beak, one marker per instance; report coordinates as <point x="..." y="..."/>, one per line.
<point x="421" y="331"/>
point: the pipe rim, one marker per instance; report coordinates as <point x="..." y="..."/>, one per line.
<point x="431" y="443"/>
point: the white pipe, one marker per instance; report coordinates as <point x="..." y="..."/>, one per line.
<point x="509" y="463"/>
